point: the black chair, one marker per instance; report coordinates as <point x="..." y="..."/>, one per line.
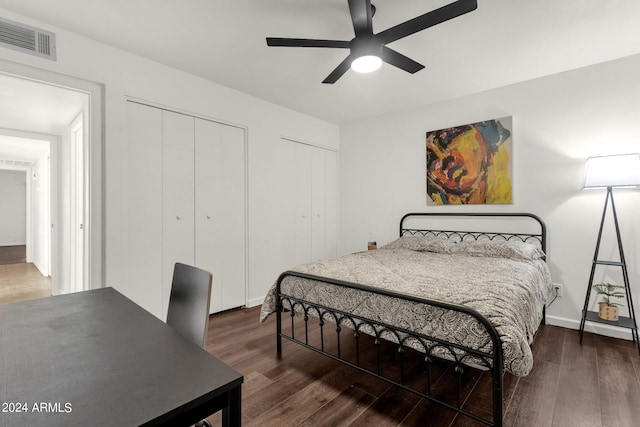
<point x="189" y="305"/>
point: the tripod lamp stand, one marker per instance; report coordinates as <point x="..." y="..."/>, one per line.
<point x="609" y="172"/>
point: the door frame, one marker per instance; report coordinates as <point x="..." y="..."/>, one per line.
<point x="93" y="131"/>
<point x="52" y="193"/>
<point x="78" y="196"/>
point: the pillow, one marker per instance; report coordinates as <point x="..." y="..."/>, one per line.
<point x="499" y="249"/>
<point x="422" y="244"/>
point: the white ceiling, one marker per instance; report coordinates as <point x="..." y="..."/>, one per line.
<point x="37" y="108"/>
<point x="502" y="42"/>
<point x="16" y="151"/>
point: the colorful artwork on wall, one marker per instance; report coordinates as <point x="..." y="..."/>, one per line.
<point x="470" y="164"/>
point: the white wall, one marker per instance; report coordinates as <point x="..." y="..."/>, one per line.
<point x="558" y="122"/>
<point x="40" y="219"/>
<point x="13" y="215"/>
<point x="126" y="75"/>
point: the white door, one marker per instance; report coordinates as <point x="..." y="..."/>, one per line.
<point x="302" y="180"/>
<point x="177" y="196"/>
<point x="324" y="203"/>
<point x="315" y="176"/>
<point x="308" y="198"/>
<point x="220" y="238"/>
<point x="284" y="194"/>
<point x="77" y="280"/>
<point x="318" y="203"/>
<point x="143" y="197"/>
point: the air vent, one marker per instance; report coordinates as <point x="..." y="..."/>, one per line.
<point x="8" y="163"/>
<point x="24" y="38"/>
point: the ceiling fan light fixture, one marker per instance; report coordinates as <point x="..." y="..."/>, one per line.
<point x="368" y="49"/>
<point x="366" y="63"/>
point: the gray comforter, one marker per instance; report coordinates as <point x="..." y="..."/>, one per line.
<point x="507" y="283"/>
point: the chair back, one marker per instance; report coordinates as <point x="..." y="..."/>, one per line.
<point x="189" y="302"/>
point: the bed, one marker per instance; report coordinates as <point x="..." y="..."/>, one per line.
<point x="474" y="298"/>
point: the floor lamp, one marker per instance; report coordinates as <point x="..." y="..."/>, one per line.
<point x="619" y="171"/>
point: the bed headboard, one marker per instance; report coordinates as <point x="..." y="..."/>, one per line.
<point x="524" y="227"/>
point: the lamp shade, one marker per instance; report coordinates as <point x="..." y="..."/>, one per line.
<point x="621" y="170"/>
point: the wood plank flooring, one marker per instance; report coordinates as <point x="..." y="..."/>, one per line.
<point x="593" y="384"/>
<point x="13" y="254"/>
<point x="23" y="281"/>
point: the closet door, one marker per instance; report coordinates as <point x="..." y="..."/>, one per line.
<point x="220" y="243"/>
<point x="281" y="240"/>
<point x="331" y="200"/>
<point x="303" y="197"/>
<point x="314" y="198"/>
<point x="177" y="196"/>
<point x="324" y="203"/>
<point x="142" y="239"/>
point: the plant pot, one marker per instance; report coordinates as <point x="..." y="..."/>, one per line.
<point x="608" y="312"/>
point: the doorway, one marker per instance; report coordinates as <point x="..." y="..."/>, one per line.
<point x="24" y="219"/>
<point x="68" y="112"/>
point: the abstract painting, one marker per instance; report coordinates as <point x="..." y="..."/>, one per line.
<point x="470" y="164"/>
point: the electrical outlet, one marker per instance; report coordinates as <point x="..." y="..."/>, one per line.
<point x="558" y="288"/>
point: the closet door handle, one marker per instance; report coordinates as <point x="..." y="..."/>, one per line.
<point x="178" y="217"/>
<point x="208" y="216"/>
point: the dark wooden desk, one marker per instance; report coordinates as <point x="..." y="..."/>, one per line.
<point x="97" y="359"/>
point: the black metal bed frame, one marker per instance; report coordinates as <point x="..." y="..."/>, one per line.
<point x="462" y="356"/>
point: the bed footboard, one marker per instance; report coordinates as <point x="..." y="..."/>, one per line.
<point x="402" y="374"/>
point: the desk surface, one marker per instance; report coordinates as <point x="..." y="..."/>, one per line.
<point x="96" y="358"/>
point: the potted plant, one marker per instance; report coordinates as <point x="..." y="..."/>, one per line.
<point x="609" y="292"/>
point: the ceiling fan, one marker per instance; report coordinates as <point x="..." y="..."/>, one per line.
<point x="368" y="50"/>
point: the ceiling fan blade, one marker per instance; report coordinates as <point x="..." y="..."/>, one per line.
<point x="394" y="58"/>
<point x="427" y="20"/>
<point x="339" y="71"/>
<point x="286" y="42"/>
<point x="361" y="16"/>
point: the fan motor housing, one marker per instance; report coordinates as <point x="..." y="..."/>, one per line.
<point x="366" y="45"/>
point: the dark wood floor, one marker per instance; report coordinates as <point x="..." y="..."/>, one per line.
<point x="593" y="384"/>
<point x="13" y="254"/>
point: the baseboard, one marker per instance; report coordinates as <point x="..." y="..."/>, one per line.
<point x="39" y="267"/>
<point x="254" y="302"/>
<point x="596" y="328"/>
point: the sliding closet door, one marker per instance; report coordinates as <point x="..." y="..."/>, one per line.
<point x="303" y="198"/>
<point x="233" y="218"/>
<point x="331" y="203"/>
<point x="142" y="239"/>
<point x="220" y="237"/>
<point x="309" y="202"/>
<point x="324" y="207"/>
<point x="177" y="196"/>
<point x="282" y="194"/>
<point x="186" y="199"/>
